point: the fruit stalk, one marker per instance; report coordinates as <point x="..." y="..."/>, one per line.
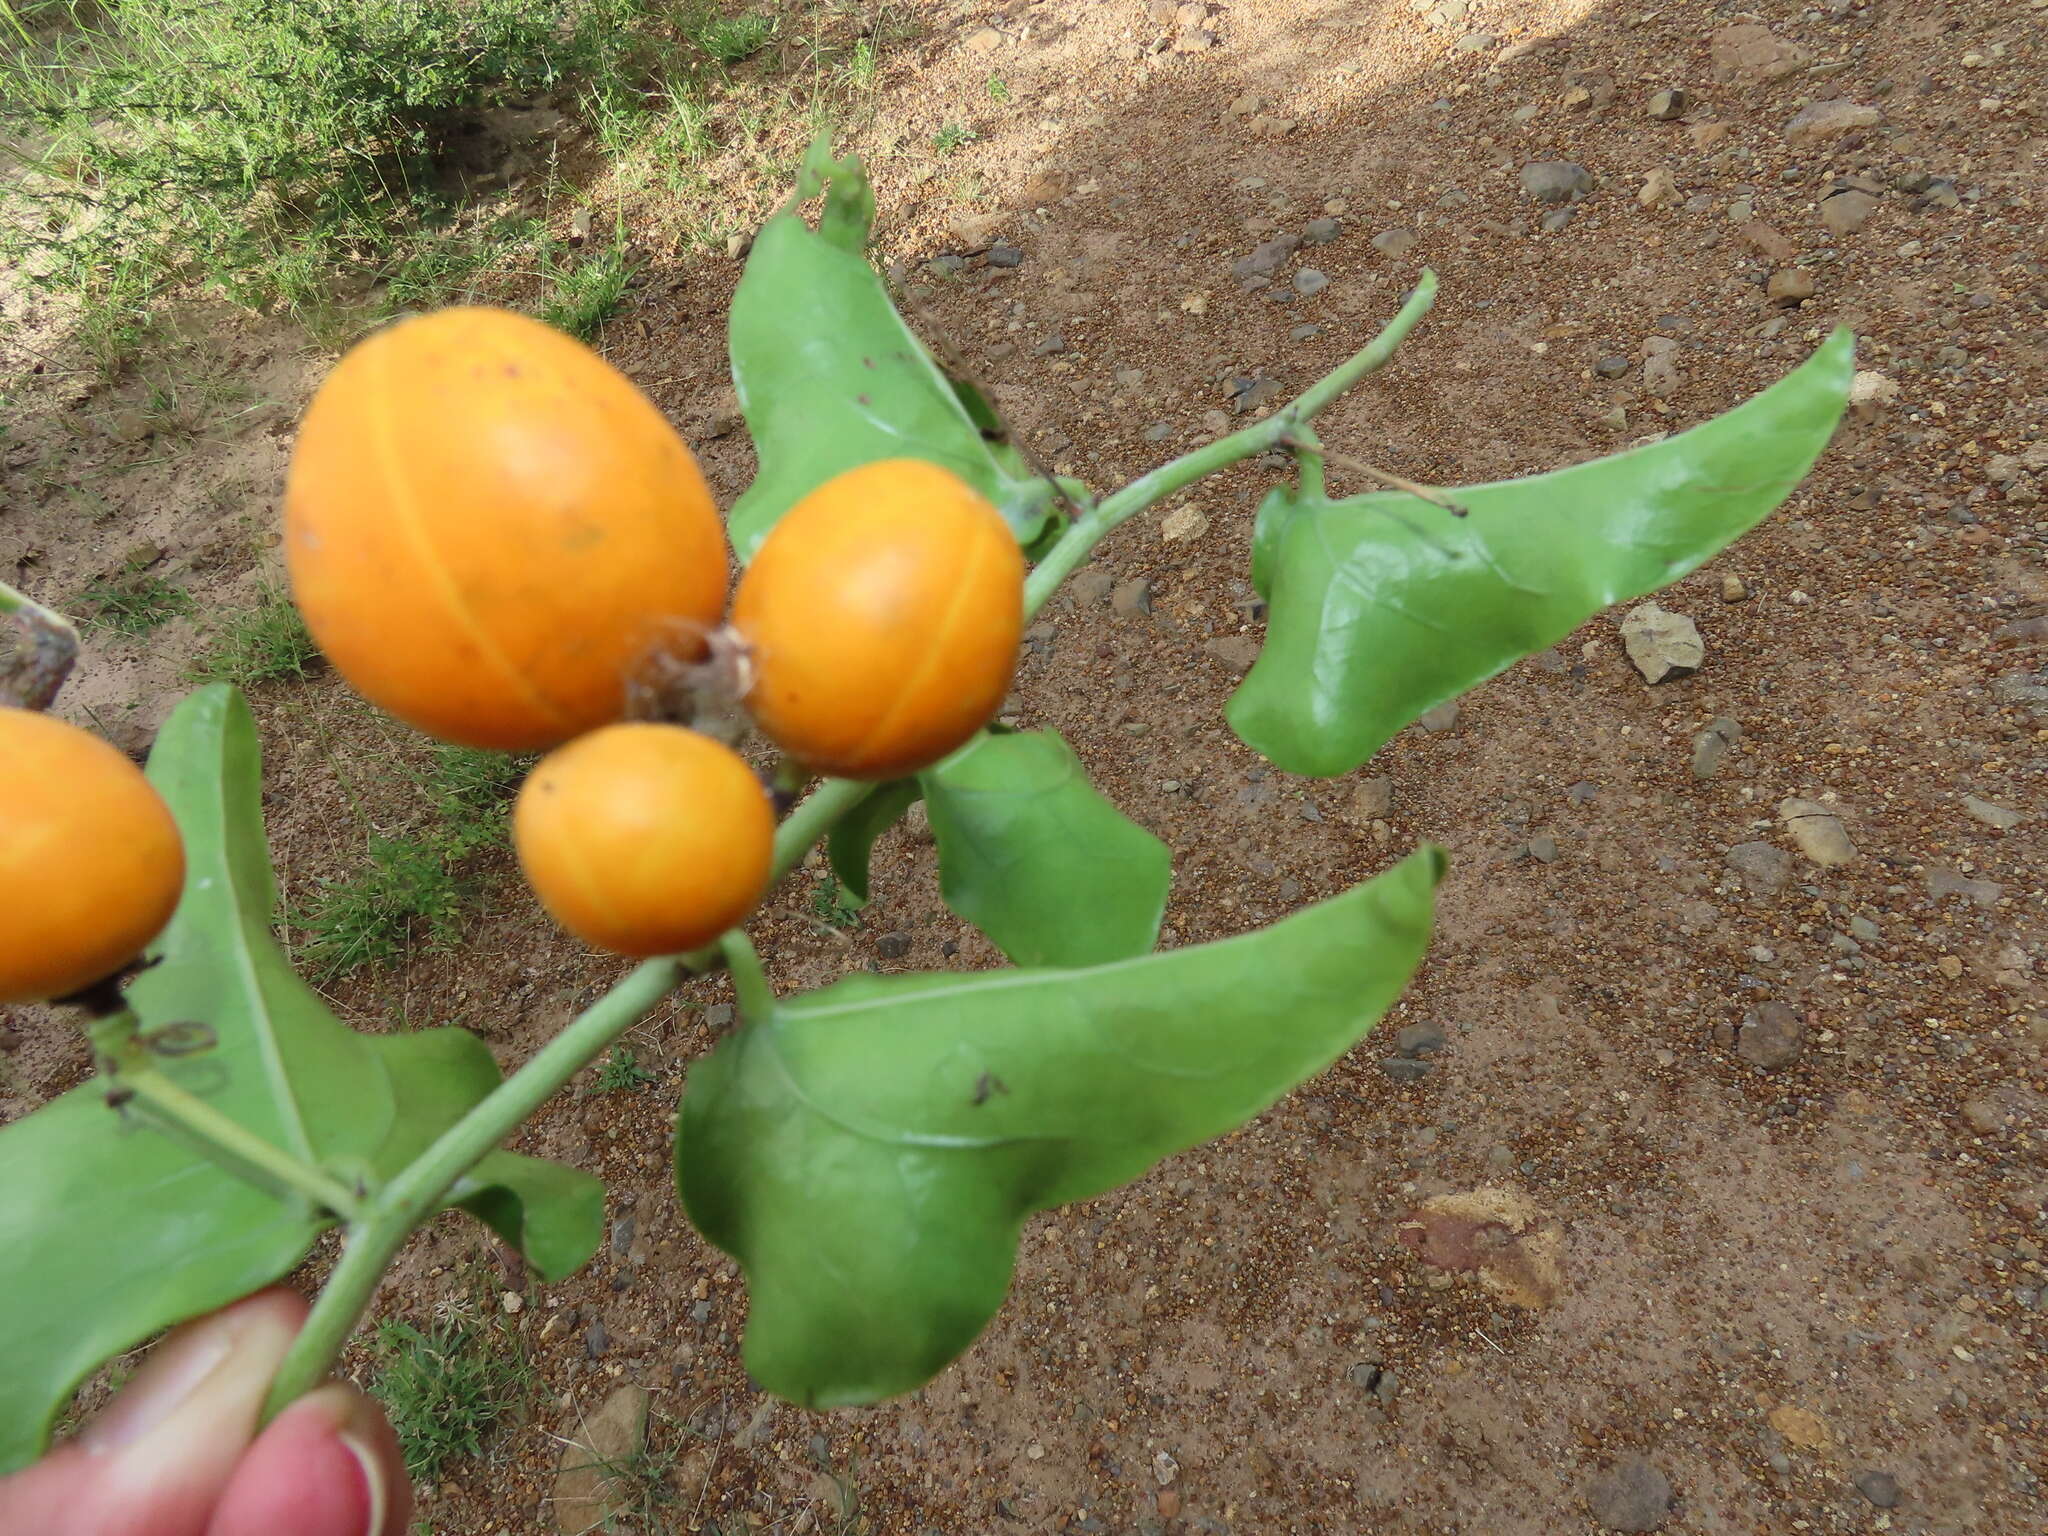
<point x="417" y="1192"/>
<point x="32" y="678"/>
<point x="136" y="1082"/>
<point x="1080" y="539"/>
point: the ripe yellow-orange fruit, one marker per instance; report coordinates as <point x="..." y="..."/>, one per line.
<point x="645" y="839"/>
<point x="487" y="526"/>
<point x="882" y="616"/>
<point x="91" y="863"/>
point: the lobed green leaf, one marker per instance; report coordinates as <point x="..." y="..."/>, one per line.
<point x="869" y="1153"/>
<point x="111" y="1231"/>
<point x="1384" y="606"/>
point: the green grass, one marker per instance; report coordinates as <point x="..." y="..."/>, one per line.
<point x="583" y="294"/>
<point x="264" y="644"/>
<point x="731" y="39"/>
<point x="951" y="137"/>
<point x="998" y="89"/>
<point x="413" y="888"/>
<point x="446" y="1388"/>
<point x="469" y="788"/>
<point x="133" y="604"/>
<point x="834" y="905"/>
<point x="264" y="147"/>
<point x="622" y="1072"/>
<point x="406" y="888"/>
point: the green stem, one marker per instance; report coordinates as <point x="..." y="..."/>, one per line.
<point x="420" y="1189"/>
<point x="422" y="1186"/>
<point x="134" y="1079"/>
<point x="814" y="817"/>
<point x="231" y="1144"/>
<point x="1080" y="539"/>
<point x="749" y="981"/>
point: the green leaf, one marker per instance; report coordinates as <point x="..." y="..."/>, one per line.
<point x="869" y="1152"/>
<point x="830" y="378"/>
<point x="1036" y="858"/>
<point x="111" y="1231"/>
<point x="852" y="838"/>
<point x="1384" y="606"/>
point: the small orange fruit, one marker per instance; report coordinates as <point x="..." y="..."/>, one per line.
<point x="487" y="526"/>
<point x="645" y="839"/>
<point x="91" y="863"/>
<point x="882" y="616"/>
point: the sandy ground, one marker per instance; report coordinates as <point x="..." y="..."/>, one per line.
<point x="1775" y="1281"/>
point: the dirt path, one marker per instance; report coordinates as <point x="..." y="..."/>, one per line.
<point x="1776" y="1280"/>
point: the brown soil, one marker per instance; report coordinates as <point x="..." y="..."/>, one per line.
<point x="1771" y="1280"/>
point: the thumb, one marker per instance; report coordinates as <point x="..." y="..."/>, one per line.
<point x="329" y="1466"/>
<point x="155" y="1461"/>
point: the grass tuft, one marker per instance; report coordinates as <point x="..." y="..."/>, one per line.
<point x="134" y="604"/>
<point x="583" y="294"/>
<point x="622" y="1072"/>
<point x="265" y="644"/>
<point x="446" y="1388"/>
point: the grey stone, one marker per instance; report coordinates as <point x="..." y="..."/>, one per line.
<point x="1666" y="106"/>
<point x="1818" y="832"/>
<point x="1662" y="645"/>
<point x="917" y="825"/>
<point x="1660" y="375"/>
<point x="1612" y="367"/>
<point x="1711" y="747"/>
<point x="718" y="1016"/>
<point x="1543" y="848"/>
<point x="1418" y="1040"/>
<point x="1556" y="219"/>
<point x="1052" y="346"/>
<point x="596" y="1340"/>
<point x="946" y="266"/>
<point x="1000" y="255"/>
<point x="2023" y="689"/>
<point x="1771" y="1037"/>
<point x="1321" y="231"/>
<point x="1091" y="584"/>
<point x="1372" y="798"/>
<point x="1133" y="598"/>
<point x="1266" y="259"/>
<point x="1394" y="243"/>
<point x="1881" y="1488"/>
<point x="1556" y="181"/>
<point x="1992" y="815"/>
<point x="587" y="1496"/>
<point x="1790" y="287"/>
<point x="893" y="946"/>
<point x="1403" y="1070"/>
<point x="1943" y="882"/>
<point x="1476" y="42"/>
<point x="1305" y="333"/>
<point x="1863" y="930"/>
<point x="1308" y="282"/>
<point x="1632" y="1496"/>
<point x="622" y="1234"/>
<point x="1847" y="212"/>
<point x="1819" y="122"/>
<point x="1765" y="866"/>
<point x="1236" y="652"/>
<point x="1442" y="718"/>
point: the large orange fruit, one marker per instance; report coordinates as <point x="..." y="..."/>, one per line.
<point x="645" y="839"/>
<point x="91" y="863"/>
<point x="882" y="616"/>
<point x="487" y="526"/>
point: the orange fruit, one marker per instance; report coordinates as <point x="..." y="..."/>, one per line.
<point x="487" y="526"/>
<point x="881" y="616"/>
<point x="91" y="863"/>
<point x="645" y="839"/>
